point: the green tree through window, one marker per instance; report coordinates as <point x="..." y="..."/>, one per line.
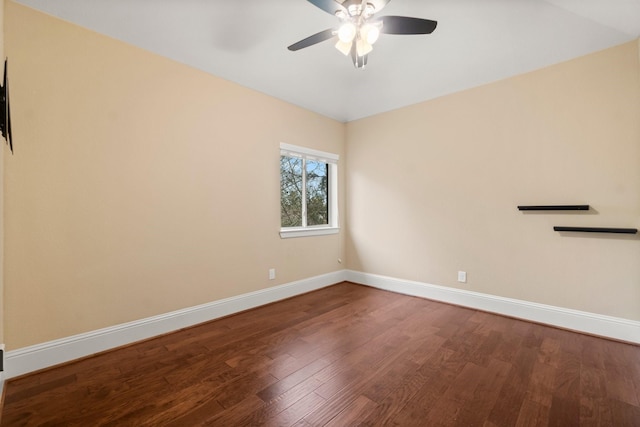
<point x="308" y="192"/>
<point x="317" y="193"/>
<point x="304" y="192"/>
<point x="290" y="191"/>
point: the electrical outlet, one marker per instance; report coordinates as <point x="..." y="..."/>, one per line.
<point x="462" y="276"/>
<point x="272" y="273"/>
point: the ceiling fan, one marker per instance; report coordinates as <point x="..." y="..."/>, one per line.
<point x="359" y="29"/>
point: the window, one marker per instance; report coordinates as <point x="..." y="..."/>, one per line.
<point x="308" y="192"/>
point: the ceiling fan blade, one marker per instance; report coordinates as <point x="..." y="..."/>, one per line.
<point x="329" y="6"/>
<point x="311" y="40"/>
<point x="407" y="25"/>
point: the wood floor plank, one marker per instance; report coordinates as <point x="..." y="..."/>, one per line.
<point x="564" y="411"/>
<point x="624" y="414"/>
<point x="343" y="355"/>
<point x="405" y="386"/>
<point x="513" y="393"/>
<point x="297" y="411"/>
<point x="485" y="394"/>
<point x="355" y="411"/>
<point x="285" y="384"/>
<point x="533" y="414"/>
<point x="436" y="377"/>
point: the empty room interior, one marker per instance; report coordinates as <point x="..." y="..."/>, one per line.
<point x="475" y="260"/>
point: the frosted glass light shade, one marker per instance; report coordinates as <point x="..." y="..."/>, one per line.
<point x="347" y="32"/>
<point x="343" y="47"/>
<point x="370" y="33"/>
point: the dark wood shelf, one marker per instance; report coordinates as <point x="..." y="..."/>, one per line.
<point x="597" y="230"/>
<point x="554" y="208"/>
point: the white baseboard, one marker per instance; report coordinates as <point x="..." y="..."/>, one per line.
<point x="51" y="353"/>
<point x="44" y="355"/>
<point x="590" y="323"/>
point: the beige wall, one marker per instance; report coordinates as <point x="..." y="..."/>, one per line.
<point x="140" y="186"/>
<point x="433" y="188"/>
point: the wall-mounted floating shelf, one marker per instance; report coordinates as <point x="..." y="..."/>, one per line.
<point x="554" y="208"/>
<point x="597" y="230"/>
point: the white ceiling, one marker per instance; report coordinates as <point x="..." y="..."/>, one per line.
<point x="476" y="42"/>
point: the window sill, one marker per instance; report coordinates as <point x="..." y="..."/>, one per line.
<point x="286" y="233"/>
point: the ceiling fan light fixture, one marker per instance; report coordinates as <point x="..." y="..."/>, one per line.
<point x="344" y="48"/>
<point x="347" y="32"/>
<point x="358" y="28"/>
<point x="370" y="33"/>
<point x="363" y="48"/>
<point x="369" y="10"/>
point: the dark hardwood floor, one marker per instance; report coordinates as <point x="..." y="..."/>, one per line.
<point x="346" y="355"/>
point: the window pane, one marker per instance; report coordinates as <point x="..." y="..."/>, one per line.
<point x="317" y="193"/>
<point x="290" y="191"/>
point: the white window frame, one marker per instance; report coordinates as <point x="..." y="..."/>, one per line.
<point x="332" y="161"/>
